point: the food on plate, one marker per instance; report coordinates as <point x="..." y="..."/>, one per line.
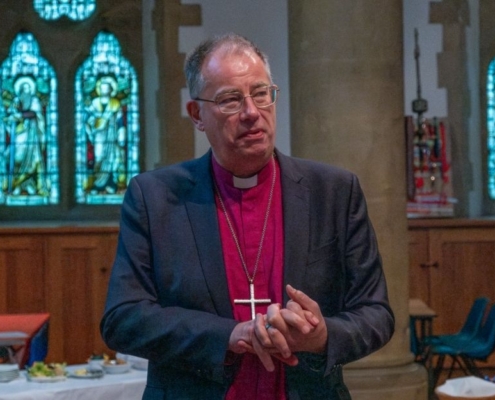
<point x="80" y="372"/>
<point x="86" y="373"/>
<point x="39" y="369"/>
<point x="116" y="361"/>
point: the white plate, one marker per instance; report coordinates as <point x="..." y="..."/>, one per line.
<point x="87" y="374"/>
<point x="8" y="368"/>
<point x="9" y="378"/>
<point x="43" y="379"/>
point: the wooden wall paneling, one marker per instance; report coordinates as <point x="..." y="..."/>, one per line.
<point x="21" y="274"/>
<point x="101" y="276"/>
<point x="77" y="273"/>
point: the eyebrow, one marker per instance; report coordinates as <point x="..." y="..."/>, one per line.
<point x="255" y="86"/>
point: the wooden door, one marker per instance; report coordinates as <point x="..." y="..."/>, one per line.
<point x="77" y="274"/>
<point x="419" y="276"/>
<point x="466" y="270"/>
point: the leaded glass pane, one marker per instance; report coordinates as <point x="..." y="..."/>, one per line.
<point x="28" y="127"/>
<point x="490" y="111"/>
<point x="107" y="124"/>
<point x="76" y="10"/>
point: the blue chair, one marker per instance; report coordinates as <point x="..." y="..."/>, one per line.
<point x="482" y="346"/>
<point x="465" y="353"/>
<point x="469" y="329"/>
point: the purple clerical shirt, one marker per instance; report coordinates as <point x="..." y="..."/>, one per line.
<point x="246" y="209"/>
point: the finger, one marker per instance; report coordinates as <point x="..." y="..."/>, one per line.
<point x="274" y="318"/>
<point x="263" y="355"/>
<point x="245" y="347"/>
<point x="261" y="332"/>
<point x="304" y="301"/>
<point x="291" y="361"/>
<point x="305" y="314"/>
<point x="269" y="336"/>
<point x="311" y="318"/>
<point x="296" y="321"/>
<point x="279" y="342"/>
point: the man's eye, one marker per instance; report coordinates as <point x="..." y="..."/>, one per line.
<point x="261" y="93"/>
<point x="228" y="99"/>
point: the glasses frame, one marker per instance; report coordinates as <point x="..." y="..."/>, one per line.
<point x="215" y="100"/>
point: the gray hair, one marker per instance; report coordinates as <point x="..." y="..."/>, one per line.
<point x="230" y="43"/>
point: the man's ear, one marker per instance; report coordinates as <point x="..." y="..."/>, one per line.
<point x="193" y="111"/>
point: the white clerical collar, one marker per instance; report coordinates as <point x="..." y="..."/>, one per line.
<point x="245" y="183"/>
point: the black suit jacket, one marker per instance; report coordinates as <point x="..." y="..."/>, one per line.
<point x="168" y="298"/>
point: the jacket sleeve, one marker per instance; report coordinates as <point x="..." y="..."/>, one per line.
<point x="365" y="322"/>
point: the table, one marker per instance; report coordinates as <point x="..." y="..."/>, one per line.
<point x="420" y="312"/>
<point x="126" y="386"/>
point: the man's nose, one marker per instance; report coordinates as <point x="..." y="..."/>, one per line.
<point x="249" y="109"/>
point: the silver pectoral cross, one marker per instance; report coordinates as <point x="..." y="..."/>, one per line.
<point x="252" y="301"/>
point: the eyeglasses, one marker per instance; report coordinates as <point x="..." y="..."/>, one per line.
<point x="231" y="103"/>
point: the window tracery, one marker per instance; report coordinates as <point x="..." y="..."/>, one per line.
<point x="76" y="10"/>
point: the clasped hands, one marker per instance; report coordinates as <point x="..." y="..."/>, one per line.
<point x="281" y="332"/>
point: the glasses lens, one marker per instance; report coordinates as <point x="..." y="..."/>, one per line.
<point x="262" y="96"/>
<point x="229" y="102"/>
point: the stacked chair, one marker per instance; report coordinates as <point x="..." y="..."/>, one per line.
<point x="24" y="337"/>
<point x="474" y="342"/>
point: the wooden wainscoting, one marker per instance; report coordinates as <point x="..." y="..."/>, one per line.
<point x="62" y="270"/>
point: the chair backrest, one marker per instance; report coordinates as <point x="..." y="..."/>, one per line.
<point x="484" y="343"/>
<point x="475" y="316"/>
<point x="38" y="347"/>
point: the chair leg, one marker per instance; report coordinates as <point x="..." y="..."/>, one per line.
<point x="438" y="369"/>
<point x="452" y="365"/>
<point x="471" y="366"/>
<point x="462" y="365"/>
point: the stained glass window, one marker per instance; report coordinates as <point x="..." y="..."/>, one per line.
<point x="28" y="127"/>
<point x="107" y="124"/>
<point x="490" y="111"/>
<point x="76" y="10"/>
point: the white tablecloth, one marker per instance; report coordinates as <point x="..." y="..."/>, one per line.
<point x="126" y="386"/>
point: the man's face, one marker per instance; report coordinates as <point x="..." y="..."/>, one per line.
<point x="243" y="142"/>
<point x="26" y="88"/>
<point x="105" y="89"/>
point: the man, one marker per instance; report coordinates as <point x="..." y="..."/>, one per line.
<point x="244" y="274"/>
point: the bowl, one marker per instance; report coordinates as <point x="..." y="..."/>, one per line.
<point x="111" y="367"/>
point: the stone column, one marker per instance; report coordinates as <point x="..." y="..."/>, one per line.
<point x="346" y="88"/>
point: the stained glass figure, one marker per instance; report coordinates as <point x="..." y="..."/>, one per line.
<point x="28" y="127"/>
<point x="490" y="113"/>
<point x="107" y="124"/>
<point x="76" y="10"/>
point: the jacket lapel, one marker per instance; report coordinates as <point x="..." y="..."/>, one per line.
<point x="295" y="200"/>
<point x="202" y="213"/>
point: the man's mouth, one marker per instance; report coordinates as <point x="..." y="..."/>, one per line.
<point x="253" y="133"/>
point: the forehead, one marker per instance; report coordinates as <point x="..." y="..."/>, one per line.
<point x="236" y="67"/>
